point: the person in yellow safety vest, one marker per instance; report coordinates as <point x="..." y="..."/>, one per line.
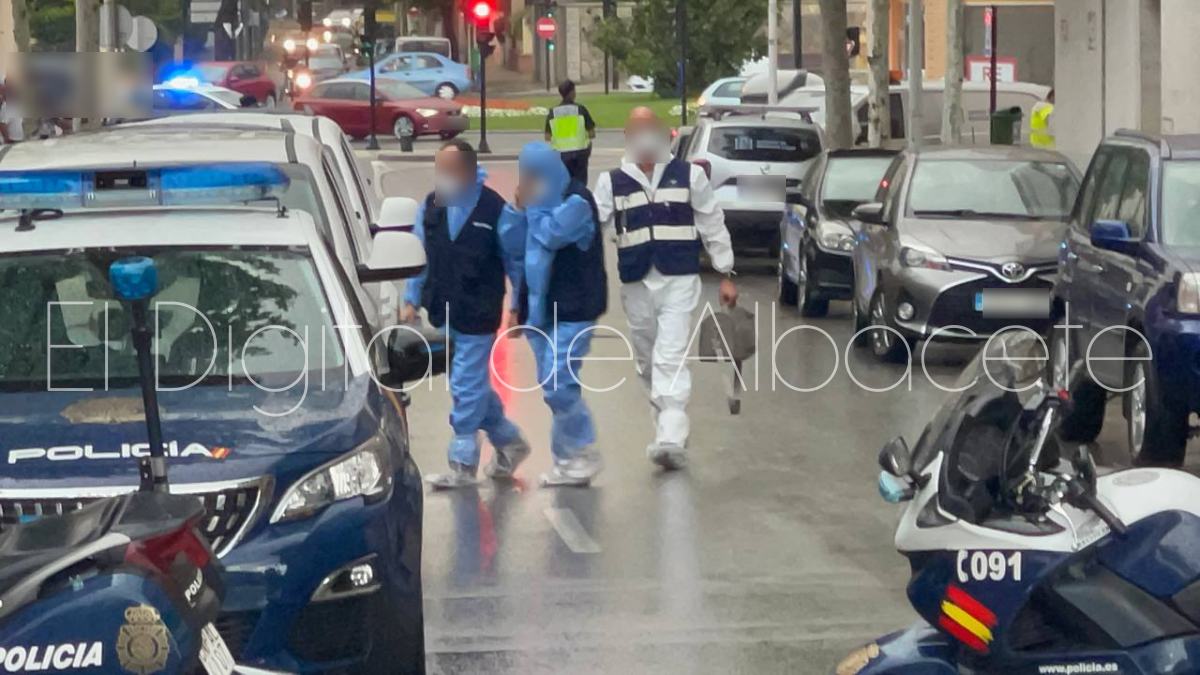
<point x="570" y="129"/>
<point x="1041" y="123"/>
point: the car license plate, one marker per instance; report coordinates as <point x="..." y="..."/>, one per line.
<point x="1013" y="303"/>
<point x="762" y="188"/>
<point x="214" y="655"/>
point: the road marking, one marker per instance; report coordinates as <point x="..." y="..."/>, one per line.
<point x="571" y="531"/>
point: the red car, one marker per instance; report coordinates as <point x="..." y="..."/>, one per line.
<point x="401" y="109"/>
<point x="245" y="77"/>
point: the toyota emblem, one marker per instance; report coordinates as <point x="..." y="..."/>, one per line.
<point x="1012" y="270"/>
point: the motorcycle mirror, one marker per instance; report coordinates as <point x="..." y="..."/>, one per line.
<point x="895" y="457"/>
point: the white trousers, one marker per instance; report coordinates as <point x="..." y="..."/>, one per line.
<point x="660" y="309"/>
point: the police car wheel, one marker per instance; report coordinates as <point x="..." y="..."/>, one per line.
<point x="446" y="90"/>
<point x="789" y="293"/>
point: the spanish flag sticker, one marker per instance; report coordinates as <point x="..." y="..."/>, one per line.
<point x="966" y="619"/>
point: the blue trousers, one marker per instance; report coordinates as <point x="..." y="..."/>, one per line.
<point x="559" y="356"/>
<point x="476" y="405"/>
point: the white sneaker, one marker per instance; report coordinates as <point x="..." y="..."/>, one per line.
<point x="669" y="457"/>
<point x="459" y="476"/>
<point x="575" y="472"/>
<point x="506" y="460"/>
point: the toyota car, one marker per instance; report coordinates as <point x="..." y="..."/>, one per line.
<point x="960" y="243"/>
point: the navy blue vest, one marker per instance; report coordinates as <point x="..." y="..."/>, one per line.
<point x="578" y="282"/>
<point x="659" y="232"/>
<point x="466" y="273"/>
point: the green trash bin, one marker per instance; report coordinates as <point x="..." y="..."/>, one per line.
<point x="1006" y="126"/>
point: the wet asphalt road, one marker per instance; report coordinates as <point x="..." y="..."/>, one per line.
<point x="771" y="553"/>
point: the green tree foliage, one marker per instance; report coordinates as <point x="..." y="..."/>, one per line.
<point x="52" y="22"/>
<point x="722" y="34"/>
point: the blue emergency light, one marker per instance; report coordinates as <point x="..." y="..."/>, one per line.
<point x="226" y="183"/>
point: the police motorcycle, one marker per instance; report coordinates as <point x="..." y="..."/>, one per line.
<point x="124" y="584"/>
<point x="1023" y="559"/>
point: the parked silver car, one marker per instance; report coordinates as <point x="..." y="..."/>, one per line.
<point x="959" y="244"/>
<point x="752" y="161"/>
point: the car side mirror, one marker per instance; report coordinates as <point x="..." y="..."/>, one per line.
<point x="870" y="213"/>
<point x="397" y="214"/>
<point x="895" y="458"/>
<point x="415" y="353"/>
<point x="1114" y="235"/>
<point x="394" y="256"/>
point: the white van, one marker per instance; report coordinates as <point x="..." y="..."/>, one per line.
<point x="976" y="101"/>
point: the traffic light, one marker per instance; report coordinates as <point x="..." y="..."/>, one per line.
<point x="481" y="13"/>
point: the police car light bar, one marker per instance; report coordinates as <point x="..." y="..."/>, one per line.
<point x="231" y="183"/>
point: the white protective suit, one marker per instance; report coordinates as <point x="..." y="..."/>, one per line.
<point x="659" y="307"/>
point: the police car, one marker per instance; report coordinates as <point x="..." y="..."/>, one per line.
<point x="364" y="200"/>
<point x="282" y="412"/>
<point x="315" y="184"/>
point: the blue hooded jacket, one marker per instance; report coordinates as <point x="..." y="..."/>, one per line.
<point x="550" y="223"/>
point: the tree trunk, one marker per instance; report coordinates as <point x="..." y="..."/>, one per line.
<point x="87" y="26"/>
<point x="838" y="119"/>
<point x="879" y="120"/>
<point x="952" y="110"/>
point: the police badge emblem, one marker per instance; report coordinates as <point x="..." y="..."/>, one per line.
<point x="143" y="644"/>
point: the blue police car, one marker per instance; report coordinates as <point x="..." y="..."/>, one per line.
<point x="1128" y="294"/>
<point x="281" y="413"/>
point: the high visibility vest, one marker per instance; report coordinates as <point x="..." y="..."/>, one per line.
<point x="1039" y="125"/>
<point x="568" y="130"/>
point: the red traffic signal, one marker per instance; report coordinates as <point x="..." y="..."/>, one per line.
<point x="481" y="12"/>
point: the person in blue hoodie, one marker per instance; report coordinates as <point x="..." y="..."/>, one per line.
<point x="462" y="290"/>
<point x="554" y="231"/>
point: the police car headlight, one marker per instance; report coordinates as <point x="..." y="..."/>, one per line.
<point x="835" y="237"/>
<point x="426" y="112"/>
<point x="365" y="472"/>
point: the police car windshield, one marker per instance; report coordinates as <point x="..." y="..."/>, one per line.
<point x="223" y="314"/>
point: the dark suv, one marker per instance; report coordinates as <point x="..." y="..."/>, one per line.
<point x="1129" y="283"/>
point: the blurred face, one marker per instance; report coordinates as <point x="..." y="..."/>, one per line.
<point x="452" y="176"/>
<point x="646" y="138"/>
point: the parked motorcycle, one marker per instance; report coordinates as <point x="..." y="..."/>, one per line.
<point x="1023" y="559"/>
<point x="125" y="584"/>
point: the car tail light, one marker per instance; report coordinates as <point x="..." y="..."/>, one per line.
<point x="160" y="552"/>
<point x="704" y="164"/>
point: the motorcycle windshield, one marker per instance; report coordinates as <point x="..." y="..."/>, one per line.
<point x="973" y="428"/>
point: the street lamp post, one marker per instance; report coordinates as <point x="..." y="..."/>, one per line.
<point x="369" y="31"/>
<point x="681" y="22"/>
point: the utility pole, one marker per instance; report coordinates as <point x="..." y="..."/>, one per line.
<point x="370" y="30"/>
<point x="797" y="34"/>
<point x="916" y="54"/>
<point x="87" y="22"/>
<point x="681" y="24"/>
<point x="772" y="52"/>
<point x="952" y="110"/>
<point x="879" y="120"/>
<point x="993" y="49"/>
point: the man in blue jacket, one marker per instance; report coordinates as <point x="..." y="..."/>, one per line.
<point x="462" y="290"/>
<point x="555" y="230"/>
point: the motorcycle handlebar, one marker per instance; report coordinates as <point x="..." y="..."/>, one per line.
<point x="1092" y="502"/>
